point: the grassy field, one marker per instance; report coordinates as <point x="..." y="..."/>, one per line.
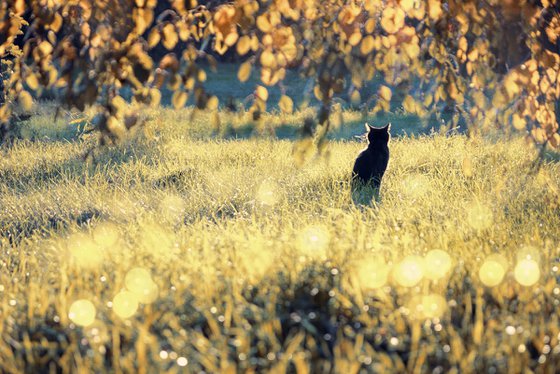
<point x="188" y="248"/>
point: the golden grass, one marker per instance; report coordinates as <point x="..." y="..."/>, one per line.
<point x="261" y="265"/>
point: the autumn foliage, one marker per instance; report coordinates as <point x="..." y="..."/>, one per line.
<point x="491" y="64"/>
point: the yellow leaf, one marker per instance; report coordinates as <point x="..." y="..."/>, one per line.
<point x="155" y="97"/>
<point x="243" y="45"/>
<point x="170" y="37"/>
<point x="407" y="5"/>
<point x="355" y="97"/>
<point x="355" y="38"/>
<point x="25" y="100"/>
<point x="202" y="76"/>
<point x="154" y="38"/>
<point x="286" y="104"/>
<point x="368" y="44"/>
<point x="318" y="93"/>
<point x="262" y="93"/>
<point x="56" y="23"/>
<point x="511" y="86"/>
<point x="463" y="44"/>
<point x="244" y="71"/>
<point x="231" y="38"/>
<point x="263" y="24"/>
<point x="370" y="25"/>
<point x="32" y="81"/>
<point x="435" y="11"/>
<point x="267" y="59"/>
<point x="45" y="48"/>
<point x="213" y="103"/>
<point x="385" y="93"/>
<point x="179" y="99"/>
<point x="519" y="122"/>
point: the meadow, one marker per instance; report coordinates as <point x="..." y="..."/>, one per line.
<point x="192" y="248"/>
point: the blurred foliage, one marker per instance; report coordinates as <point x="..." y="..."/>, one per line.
<point x="491" y="63"/>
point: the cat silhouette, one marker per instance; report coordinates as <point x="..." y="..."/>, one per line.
<point x="370" y="165"/>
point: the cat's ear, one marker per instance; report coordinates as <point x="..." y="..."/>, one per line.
<point x="387" y="127"/>
<point x="368" y="127"/>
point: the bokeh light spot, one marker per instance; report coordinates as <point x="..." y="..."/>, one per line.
<point x="410" y="271"/>
<point x="528" y="253"/>
<point x="527" y="272"/>
<point x="84" y="251"/>
<point x="372" y="274"/>
<point x="479" y="216"/>
<point x="416" y="185"/>
<point x="140" y="282"/>
<point x="314" y="240"/>
<point x="82" y="312"/>
<point x="492" y="271"/>
<point x="125" y="304"/>
<point x="433" y="306"/>
<point x="106" y="234"/>
<point x="267" y="193"/>
<point x="172" y="208"/>
<point x="437" y="264"/>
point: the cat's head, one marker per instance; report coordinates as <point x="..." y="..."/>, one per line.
<point x="378" y="134"/>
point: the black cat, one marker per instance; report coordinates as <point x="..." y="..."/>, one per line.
<point x="371" y="165"/>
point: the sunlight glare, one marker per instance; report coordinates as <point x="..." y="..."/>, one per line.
<point x="82" y="312"/>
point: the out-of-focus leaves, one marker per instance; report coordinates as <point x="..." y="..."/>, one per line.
<point x="385" y="93"/>
<point x="179" y="99"/>
<point x="262" y="93"/>
<point x="286" y="104"/>
<point x="25" y="100"/>
<point x="170" y="37"/>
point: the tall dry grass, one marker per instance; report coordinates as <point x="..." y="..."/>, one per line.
<point x="257" y="265"/>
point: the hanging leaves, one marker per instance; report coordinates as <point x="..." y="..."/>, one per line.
<point x="244" y="71"/>
<point x="433" y="54"/>
<point x="286" y="104"/>
<point x="179" y="99"/>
